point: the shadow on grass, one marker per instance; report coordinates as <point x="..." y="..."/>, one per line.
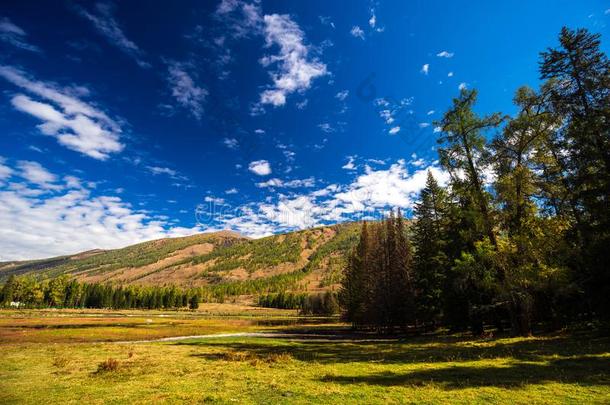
<point x="418" y="350"/>
<point x="580" y="370"/>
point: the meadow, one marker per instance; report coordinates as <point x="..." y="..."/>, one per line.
<point x="90" y="356"/>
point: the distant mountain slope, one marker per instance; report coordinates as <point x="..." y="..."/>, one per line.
<point x="313" y="258"/>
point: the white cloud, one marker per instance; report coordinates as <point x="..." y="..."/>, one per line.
<point x="34" y="173"/>
<point x="5" y="171"/>
<point x="450" y="74"/>
<point x="15" y="36"/>
<point x="373" y="22"/>
<point x="430" y="112"/>
<point x="387" y="116"/>
<point x="106" y="25"/>
<point x="393" y="187"/>
<point x="296" y="69"/>
<point x="325" y="20"/>
<point x="278" y="183"/>
<point x="425" y="69"/>
<point x="342" y="95"/>
<point x="184" y="89"/>
<point x="289" y="155"/>
<point x="231" y="143"/>
<point x="357" y="32"/>
<point x="260" y="167"/>
<point x="437" y="129"/>
<point x="259" y="131"/>
<point x="326" y="127"/>
<point x="388" y="111"/>
<point x="394" y="130"/>
<point x="77" y="125"/>
<point x="373" y="19"/>
<point x="301" y="105"/>
<point x="232" y="191"/>
<point x="214" y="200"/>
<point x="445" y="54"/>
<point x="350" y="163"/>
<point x="241" y="18"/>
<point x="372" y="192"/>
<point x="39" y="221"/>
<point x="423" y="124"/>
<point x="462" y="86"/>
<point x="162" y="170"/>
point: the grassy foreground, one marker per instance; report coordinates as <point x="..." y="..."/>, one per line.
<point x="40" y="362"/>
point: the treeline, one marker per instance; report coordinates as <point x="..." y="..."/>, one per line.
<point x="308" y="304"/>
<point x="377" y="287"/>
<point x="521" y="231"/>
<point x="61" y="292"/>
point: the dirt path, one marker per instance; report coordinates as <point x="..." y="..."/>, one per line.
<point x="320" y="337"/>
<point x="218" y="335"/>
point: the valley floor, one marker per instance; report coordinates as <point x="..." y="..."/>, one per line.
<point x="63" y="357"/>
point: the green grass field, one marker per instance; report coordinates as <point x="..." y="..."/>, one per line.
<point x="62" y="357"/>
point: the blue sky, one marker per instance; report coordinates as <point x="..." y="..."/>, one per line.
<point x="124" y="122"/>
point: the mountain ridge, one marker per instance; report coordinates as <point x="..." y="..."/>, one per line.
<point x="314" y="256"/>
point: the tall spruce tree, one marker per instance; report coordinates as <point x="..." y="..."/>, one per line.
<point x="352" y="294"/>
<point x="431" y="262"/>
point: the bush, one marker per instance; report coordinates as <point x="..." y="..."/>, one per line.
<point x="108" y="365"/>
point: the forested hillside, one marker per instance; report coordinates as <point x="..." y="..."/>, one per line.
<point x="217" y="265"/>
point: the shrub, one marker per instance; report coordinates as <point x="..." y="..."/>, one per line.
<point x="108" y="365"/>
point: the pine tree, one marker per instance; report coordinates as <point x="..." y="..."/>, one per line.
<point x="352" y="292"/>
<point x="464" y="155"/>
<point x="194" y="302"/>
<point x="429" y="233"/>
<point x="404" y="279"/>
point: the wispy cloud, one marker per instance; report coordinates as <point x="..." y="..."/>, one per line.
<point x="75" y="124"/>
<point x="296" y="183"/>
<point x="162" y="170"/>
<point x="185" y="91"/>
<point x="425" y="69"/>
<point x="34" y="173"/>
<point x="295" y="68"/>
<point x="15" y="36"/>
<point x="445" y="54"/>
<point x="357" y="32"/>
<point x="350" y="163"/>
<point x="326" y="127"/>
<point x="389" y="111"/>
<point x="106" y="24"/>
<point x="231" y="143"/>
<point x="5" y="171"/>
<point x="342" y="95"/>
<point x="242" y="19"/>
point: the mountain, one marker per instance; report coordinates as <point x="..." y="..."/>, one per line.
<point x="311" y="259"/>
